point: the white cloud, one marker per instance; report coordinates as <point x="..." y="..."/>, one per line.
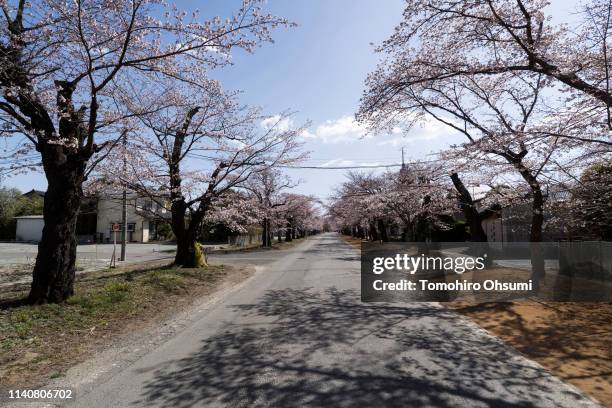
<point x="342" y="130"/>
<point x="428" y="129"/>
<point x="282" y="124"/>
<point x="338" y="162"/>
<point x="346" y="130"/>
<point x="348" y="163"/>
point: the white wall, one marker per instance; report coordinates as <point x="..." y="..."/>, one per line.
<point x="29" y="229"/>
<point x="109" y="212"/>
<point x="144" y="231"/>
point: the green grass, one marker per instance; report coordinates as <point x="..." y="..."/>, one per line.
<point x="40" y="342"/>
<point x="22" y="322"/>
<point x="169" y="280"/>
<point x="94" y="305"/>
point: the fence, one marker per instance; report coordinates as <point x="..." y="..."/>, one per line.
<point x="588" y="259"/>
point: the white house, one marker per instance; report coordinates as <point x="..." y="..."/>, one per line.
<point x="141" y="216"/>
<point x="96" y="217"/>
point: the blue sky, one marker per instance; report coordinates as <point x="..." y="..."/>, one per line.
<point x="318" y="70"/>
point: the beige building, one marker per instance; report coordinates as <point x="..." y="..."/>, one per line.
<point x="98" y="214"/>
<point x="141" y="215"/>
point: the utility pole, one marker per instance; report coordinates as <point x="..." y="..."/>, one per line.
<point x="124" y="202"/>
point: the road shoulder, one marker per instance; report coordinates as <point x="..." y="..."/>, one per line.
<point x="110" y="319"/>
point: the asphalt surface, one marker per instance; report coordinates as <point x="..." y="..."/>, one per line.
<point x="17" y="259"/>
<point x="25" y="253"/>
<point x="297" y="335"/>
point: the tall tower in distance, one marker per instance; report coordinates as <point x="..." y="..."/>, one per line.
<point x="403" y="170"/>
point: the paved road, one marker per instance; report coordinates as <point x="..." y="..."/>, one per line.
<point x="297" y="335"/>
<point x="18" y="258"/>
<point x="25" y="253"/>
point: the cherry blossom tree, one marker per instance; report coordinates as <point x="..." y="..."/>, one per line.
<point x="356" y="206"/>
<point x="280" y="210"/>
<point x="196" y="146"/>
<point x="420" y="197"/>
<point x="267" y="189"/>
<point x="443" y="39"/>
<point x="66" y="69"/>
<point x="584" y="207"/>
<point x="234" y="210"/>
<point x="415" y="197"/>
<point x="473" y="216"/>
<point x="508" y="120"/>
<point x="301" y="215"/>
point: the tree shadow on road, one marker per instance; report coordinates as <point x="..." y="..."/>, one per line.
<point x="305" y="348"/>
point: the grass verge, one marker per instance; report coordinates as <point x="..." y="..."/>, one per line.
<point x="38" y="343"/>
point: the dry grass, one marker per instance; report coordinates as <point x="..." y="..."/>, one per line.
<point x="40" y="342"/>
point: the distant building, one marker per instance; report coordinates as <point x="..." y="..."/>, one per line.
<point x="34" y="193"/>
<point x="29" y="228"/>
<point x="513" y="223"/>
<point x="143" y="216"/>
<point x="96" y="216"/>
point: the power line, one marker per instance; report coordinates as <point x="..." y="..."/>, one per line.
<point x="377" y="166"/>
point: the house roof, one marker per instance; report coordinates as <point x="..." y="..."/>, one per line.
<point x="39" y="193"/>
<point x="33" y="217"/>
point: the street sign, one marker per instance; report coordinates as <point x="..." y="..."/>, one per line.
<point x="115" y="228"/>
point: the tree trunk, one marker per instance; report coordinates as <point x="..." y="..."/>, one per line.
<point x="409" y="231"/>
<point x="189" y="253"/>
<point x="477" y="233"/>
<point x="288" y="237"/>
<point x="383" y="231"/>
<point x="422" y="228"/>
<point x="280" y="235"/>
<point x="537" y="221"/>
<point x="266" y="240"/>
<point x="264" y="233"/>
<point x="54" y="271"/>
<point x="535" y="236"/>
<point x="373" y="235"/>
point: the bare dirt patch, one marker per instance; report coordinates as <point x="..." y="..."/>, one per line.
<point x="355" y="242"/>
<point x="572" y="340"/>
<point x="38" y="343"/>
<point x="258" y="247"/>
